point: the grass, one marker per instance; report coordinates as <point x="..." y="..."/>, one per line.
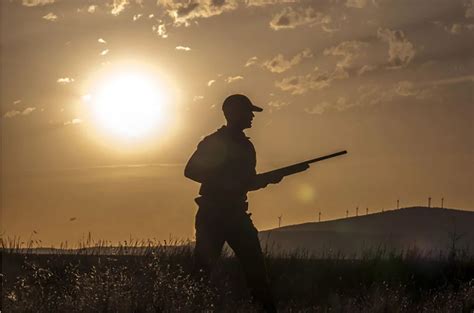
<point x="147" y="276"/>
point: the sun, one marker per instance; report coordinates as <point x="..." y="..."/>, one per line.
<point x="129" y="104"/>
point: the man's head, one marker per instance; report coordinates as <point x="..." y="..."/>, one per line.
<point x="238" y="111"/>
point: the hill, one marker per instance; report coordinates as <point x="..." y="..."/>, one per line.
<point x="430" y="230"/>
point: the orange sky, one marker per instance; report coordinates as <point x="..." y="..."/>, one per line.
<point x="390" y="81"/>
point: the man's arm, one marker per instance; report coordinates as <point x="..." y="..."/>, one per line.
<point x="273" y="177"/>
<point x="263" y="180"/>
<point x="201" y="164"/>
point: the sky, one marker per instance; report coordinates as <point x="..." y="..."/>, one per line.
<point x="389" y="81"/>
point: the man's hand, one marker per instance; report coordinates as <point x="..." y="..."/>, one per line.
<point x="276" y="176"/>
<point x="302" y="167"/>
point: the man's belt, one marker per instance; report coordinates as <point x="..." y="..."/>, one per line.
<point x="222" y="205"/>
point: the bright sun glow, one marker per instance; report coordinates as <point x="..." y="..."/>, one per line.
<point x="129" y="105"/>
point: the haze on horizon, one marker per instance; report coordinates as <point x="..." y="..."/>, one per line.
<point x="390" y="81"/>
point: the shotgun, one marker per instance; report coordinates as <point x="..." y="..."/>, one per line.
<point x="299" y="167"/>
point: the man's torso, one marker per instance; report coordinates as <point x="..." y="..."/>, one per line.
<point x="234" y="159"/>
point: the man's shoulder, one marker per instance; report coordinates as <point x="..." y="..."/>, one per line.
<point x="215" y="139"/>
<point x="223" y="136"/>
<point x="213" y="136"/>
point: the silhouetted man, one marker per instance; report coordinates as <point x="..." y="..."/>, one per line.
<point x="224" y="164"/>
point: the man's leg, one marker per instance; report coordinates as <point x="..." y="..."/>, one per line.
<point x="243" y="239"/>
<point x="209" y="243"/>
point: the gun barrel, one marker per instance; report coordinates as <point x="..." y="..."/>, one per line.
<point x="324" y="157"/>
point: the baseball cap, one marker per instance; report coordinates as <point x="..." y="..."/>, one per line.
<point x="239" y="102"/>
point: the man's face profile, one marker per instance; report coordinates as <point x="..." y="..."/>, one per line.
<point x="240" y="119"/>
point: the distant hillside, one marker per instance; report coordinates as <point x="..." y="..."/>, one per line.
<point x="428" y="229"/>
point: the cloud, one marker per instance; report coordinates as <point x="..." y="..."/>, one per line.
<point x="262" y="3"/>
<point x="400" y="51"/>
<point x="33" y="3"/>
<point x="209" y="83"/>
<point x="458" y="28"/>
<point x="50" y="17"/>
<point x="277" y="104"/>
<point x="340" y="104"/>
<point x="455" y="28"/>
<point x="13" y="113"/>
<point x="251" y="61"/>
<point x="450" y="81"/>
<point x="104" y="52"/>
<point x="160" y="30"/>
<point x="86" y="97"/>
<point x="91" y="9"/>
<point x="376" y="94"/>
<point x="197" y="98"/>
<point x="74" y="121"/>
<point x="183" y="48"/>
<point x="298" y="85"/>
<point x="118" y="6"/>
<point x="100" y="40"/>
<point x="359" y="4"/>
<point x="290" y="18"/>
<point x="65" y="80"/>
<point x="365" y="69"/>
<point x="348" y="50"/>
<point x="279" y="65"/>
<point x="183" y="12"/>
<point x="470" y="10"/>
<point x="406" y="88"/>
<point x="319" y="108"/>
<point x="232" y="79"/>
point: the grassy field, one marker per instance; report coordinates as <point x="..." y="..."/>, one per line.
<point x="151" y="278"/>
